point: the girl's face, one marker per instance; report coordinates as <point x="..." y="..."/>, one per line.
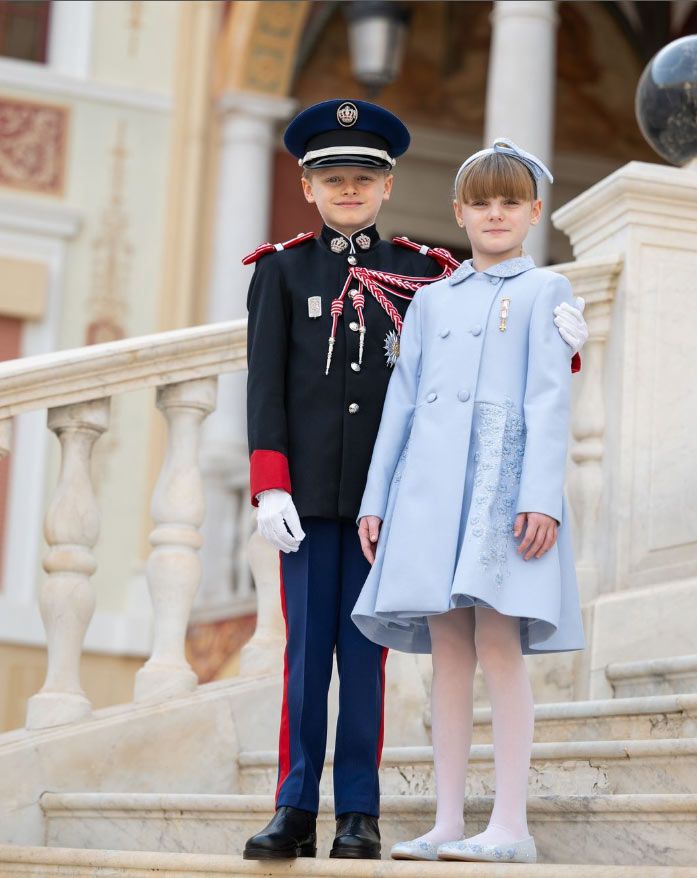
<point x="497" y="226"/>
<point x="347" y="198"/>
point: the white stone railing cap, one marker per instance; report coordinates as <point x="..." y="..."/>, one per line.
<point x="103" y="370"/>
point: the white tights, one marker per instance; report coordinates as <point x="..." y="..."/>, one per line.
<point x="459" y="639"/>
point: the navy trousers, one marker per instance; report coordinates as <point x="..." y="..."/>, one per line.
<point x="319" y="586"/>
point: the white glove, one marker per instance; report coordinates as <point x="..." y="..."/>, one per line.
<point x="278" y="520"/>
<point x="572" y="327"/>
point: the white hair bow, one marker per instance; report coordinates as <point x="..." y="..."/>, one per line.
<point x="537" y="168"/>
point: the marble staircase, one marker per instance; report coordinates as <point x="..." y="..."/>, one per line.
<point x="612" y="782"/>
<point x="653" y="676"/>
<point x="38" y="862"/>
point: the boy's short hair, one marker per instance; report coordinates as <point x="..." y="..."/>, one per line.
<point x="495" y="175"/>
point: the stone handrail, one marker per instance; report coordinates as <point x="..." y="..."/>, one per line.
<point x="76" y="387"/>
<point x="104" y="370"/>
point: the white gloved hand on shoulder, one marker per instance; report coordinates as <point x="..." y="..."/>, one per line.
<point x="278" y="520"/>
<point x="572" y="327"/>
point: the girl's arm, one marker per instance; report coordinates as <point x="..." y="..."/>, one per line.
<point x="396" y="415"/>
<point x="546" y="406"/>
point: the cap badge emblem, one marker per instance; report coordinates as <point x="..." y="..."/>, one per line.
<point x="347" y="114"/>
<point x="338" y="245"/>
<point x="363" y="241"/>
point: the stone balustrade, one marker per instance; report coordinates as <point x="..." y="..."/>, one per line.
<point x="76" y="387"/>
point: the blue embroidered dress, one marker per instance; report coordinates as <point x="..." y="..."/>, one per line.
<point x="474" y="430"/>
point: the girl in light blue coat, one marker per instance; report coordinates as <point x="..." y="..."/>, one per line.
<point x="463" y="516"/>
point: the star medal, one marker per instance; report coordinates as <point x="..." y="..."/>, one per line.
<point x="391" y="348"/>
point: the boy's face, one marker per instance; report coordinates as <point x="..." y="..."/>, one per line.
<point x="348" y="199"/>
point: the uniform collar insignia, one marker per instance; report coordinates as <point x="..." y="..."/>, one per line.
<point x="358" y="242"/>
<point x="508" y="268"/>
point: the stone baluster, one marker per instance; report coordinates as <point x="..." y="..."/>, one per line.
<point x="264" y="652"/>
<point x="5" y="437"/>
<point x="596" y="282"/>
<point x="66" y="598"/>
<point x="174" y="567"/>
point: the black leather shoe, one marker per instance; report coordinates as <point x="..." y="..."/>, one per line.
<point x="291" y="833"/>
<point x="357" y="837"/>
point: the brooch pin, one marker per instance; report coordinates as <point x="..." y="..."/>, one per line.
<point x="391" y="348"/>
<point x="503" y="314"/>
<point x="363" y="242"/>
<point x="314" y="306"/>
<point x="338" y="245"/>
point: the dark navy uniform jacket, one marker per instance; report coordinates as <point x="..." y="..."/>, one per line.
<point x="310" y="433"/>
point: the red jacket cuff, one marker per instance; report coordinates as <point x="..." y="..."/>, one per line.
<point x="576" y="363"/>
<point x="267" y="470"/>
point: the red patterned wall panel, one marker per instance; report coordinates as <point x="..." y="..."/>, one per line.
<point x="33" y="145"/>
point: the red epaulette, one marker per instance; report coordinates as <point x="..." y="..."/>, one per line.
<point x="440" y="254"/>
<point x="263" y="249"/>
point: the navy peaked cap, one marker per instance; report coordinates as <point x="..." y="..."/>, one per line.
<point x="346" y="132"/>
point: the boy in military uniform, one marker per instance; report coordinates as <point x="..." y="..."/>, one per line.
<point x="324" y="321"/>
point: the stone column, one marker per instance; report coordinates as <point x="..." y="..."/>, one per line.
<point x="70" y="37"/>
<point x="248" y="126"/>
<point x="520" y="90"/>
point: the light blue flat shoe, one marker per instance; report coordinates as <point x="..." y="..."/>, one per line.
<point x="414" y="850"/>
<point x="522" y="851"/>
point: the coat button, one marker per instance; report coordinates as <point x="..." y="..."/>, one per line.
<point x="432" y="397"/>
<point x="352" y="293"/>
<point x="353" y="326"/>
<point x="492" y="280"/>
<point x="353" y="408"/>
<point x="476" y="330"/>
<point x="352" y="260"/>
<point x="463" y="395"/>
<point x="355" y="367"/>
<point x="444" y="333"/>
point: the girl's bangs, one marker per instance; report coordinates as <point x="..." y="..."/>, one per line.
<point x="494" y="176"/>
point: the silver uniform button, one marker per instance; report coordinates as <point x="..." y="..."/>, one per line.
<point x="476" y="330"/>
<point x="352" y="293"/>
<point x="352" y="260"/>
<point x="355" y="367"/>
<point x="353" y="408"/>
<point x="463" y="395"/>
<point x="353" y="326"/>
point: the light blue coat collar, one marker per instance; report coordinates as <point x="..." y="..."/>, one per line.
<point x="508" y="268"/>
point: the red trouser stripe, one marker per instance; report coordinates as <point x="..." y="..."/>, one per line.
<point x="284" y="734"/>
<point x="381" y="734"/>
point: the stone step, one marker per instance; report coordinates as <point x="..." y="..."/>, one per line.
<point x="583" y="768"/>
<point x="641" y="830"/>
<point x="39" y="862"/>
<point x="677" y="674"/>
<point x="657" y="716"/>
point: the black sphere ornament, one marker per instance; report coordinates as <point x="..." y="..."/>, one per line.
<point x="666" y="101"/>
